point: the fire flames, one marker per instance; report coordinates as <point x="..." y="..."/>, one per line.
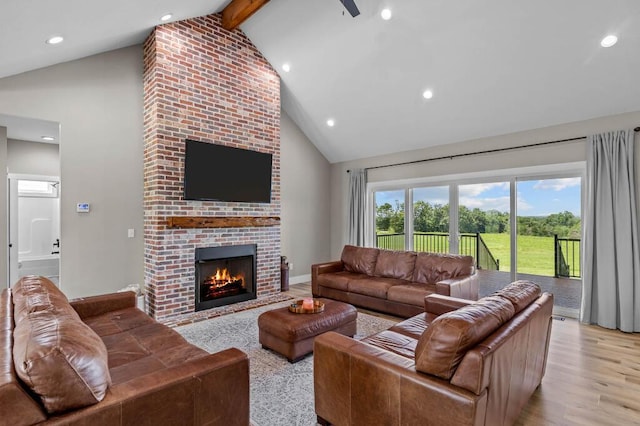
<point x="223" y="277"/>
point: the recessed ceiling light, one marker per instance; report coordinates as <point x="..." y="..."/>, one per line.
<point x="331" y="122"/>
<point x="55" y="40"/>
<point x="165" y="18"/>
<point x="286" y="67"/>
<point x="609" y="41"/>
<point x="385" y="14"/>
<point x="427" y="94"/>
<point x="48" y="138"/>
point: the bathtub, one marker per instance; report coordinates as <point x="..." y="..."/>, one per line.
<point x="46" y="265"/>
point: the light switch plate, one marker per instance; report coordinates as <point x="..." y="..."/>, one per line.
<point x="131" y="233"/>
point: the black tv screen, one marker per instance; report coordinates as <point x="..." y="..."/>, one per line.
<point x="223" y="173"/>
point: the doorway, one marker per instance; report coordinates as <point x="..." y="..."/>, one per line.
<point x="34" y="226"/>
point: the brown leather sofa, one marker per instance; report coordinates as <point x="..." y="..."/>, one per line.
<point x="459" y="363"/>
<point x="101" y="361"/>
<point x="394" y="282"/>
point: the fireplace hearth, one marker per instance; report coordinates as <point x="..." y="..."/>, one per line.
<point x="225" y="275"/>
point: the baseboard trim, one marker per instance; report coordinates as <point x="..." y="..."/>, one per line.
<point x="299" y="279"/>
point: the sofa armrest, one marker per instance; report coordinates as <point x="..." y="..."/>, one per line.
<point x="97" y="305"/>
<point x="212" y="390"/>
<point x="437" y="304"/>
<point x="354" y="380"/>
<point x="323" y="268"/>
<point x="465" y="287"/>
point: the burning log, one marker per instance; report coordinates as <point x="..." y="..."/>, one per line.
<point x="223" y="284"/>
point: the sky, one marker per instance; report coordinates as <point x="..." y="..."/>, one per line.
<point x="535" y="197"/>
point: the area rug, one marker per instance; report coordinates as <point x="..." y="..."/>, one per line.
<point x="281" y="392"/>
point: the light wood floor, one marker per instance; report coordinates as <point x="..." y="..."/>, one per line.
<point x="592" y="376"/>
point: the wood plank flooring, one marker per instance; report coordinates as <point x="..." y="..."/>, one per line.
<point x="592" y="376"/>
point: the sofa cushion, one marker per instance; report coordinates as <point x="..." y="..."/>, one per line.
<point x="339" y="280"/>
<point x="445" y="342"/>
<point x="33" y="294"/>
<point x="520" y="293"/>
<point x="359" y="259"/>
<point x="412" y="327"/>
<point x="373" y="286"/>
<point x="395" y="264"/>
<point x="55" y="354"/>
<point x="434" y="267"/>
<point x="411" y="293"/>
<point x="391" y="341"/>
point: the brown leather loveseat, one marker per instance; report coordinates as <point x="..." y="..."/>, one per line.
<point x="393" y="281"/>
<point x="101" y="361"/>
<point x="459" y="363"/>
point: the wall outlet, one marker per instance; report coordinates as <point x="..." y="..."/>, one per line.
<point x="131" y="233"/>
<point x="291" y="266"/>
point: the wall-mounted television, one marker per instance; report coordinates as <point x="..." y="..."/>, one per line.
<point x="223" y="173"/>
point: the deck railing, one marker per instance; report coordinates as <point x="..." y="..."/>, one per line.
<point x="390" y="241"/>
<point x="485" y="259"/>
<point x="437" y="242"/>
<point x="566" y="250"/>
<point x="567" y="257"/>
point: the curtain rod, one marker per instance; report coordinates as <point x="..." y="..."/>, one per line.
<point x="488" y="151"/>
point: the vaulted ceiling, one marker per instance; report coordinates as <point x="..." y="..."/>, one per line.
<point x="493" y="66"/>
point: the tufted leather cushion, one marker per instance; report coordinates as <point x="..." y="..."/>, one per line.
<point x="520" y="293"/>
<point x="433" y="267"/>
<point x="445" y="342"/>
<point x="55" y="354"/>
<point x="359" y="259"/>
<point x="395" y="264"/>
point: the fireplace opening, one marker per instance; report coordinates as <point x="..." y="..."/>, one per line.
<point x="225" y="275"/>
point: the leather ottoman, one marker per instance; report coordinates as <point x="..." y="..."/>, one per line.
<point x="292" y="334"/>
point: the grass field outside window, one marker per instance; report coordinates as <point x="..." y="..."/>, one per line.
<point x="535" y="254"/>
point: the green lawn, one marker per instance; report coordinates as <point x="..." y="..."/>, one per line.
<point x="535" y="254"/>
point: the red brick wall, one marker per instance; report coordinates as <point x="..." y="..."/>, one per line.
<point x="205" y="83"/>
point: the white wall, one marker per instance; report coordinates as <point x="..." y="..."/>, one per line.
<point x="98" y="103"/>
<point x="3" y="206"/>
<point x="549" y="154"/>
<point x="306" y="220"/>
<point x="33" y="158"/>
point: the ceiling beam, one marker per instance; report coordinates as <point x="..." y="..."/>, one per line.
<point x="239" y="11"/>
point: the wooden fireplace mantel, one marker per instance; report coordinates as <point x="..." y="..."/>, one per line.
<point x="221" y="222"/>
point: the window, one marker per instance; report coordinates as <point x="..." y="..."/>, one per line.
<point x="431" y="219"/>
<point x="37" y="188"/>
<point x="389" y="220"/>
<point x="525" y="224"/>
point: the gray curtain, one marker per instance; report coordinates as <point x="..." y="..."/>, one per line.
<point x="357" y="205"/>
<point x="611" y="256"/>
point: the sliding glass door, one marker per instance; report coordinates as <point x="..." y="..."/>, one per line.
<point x="389" y="219"/>
<point x="520" y="227"/>
<point x="431" y="219"/>
<point x="549" y="230"/>
<point x="484" y="211"/>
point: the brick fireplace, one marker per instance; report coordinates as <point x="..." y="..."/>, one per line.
<point x="224" y="275"/>
<point x="205" y="83"/>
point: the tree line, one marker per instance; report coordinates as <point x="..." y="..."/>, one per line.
<point x="429" y="217"/>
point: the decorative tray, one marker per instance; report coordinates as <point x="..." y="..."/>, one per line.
<point x="297" y="308"/>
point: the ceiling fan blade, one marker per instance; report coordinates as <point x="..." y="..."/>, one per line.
<point x="351" y="7"/>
